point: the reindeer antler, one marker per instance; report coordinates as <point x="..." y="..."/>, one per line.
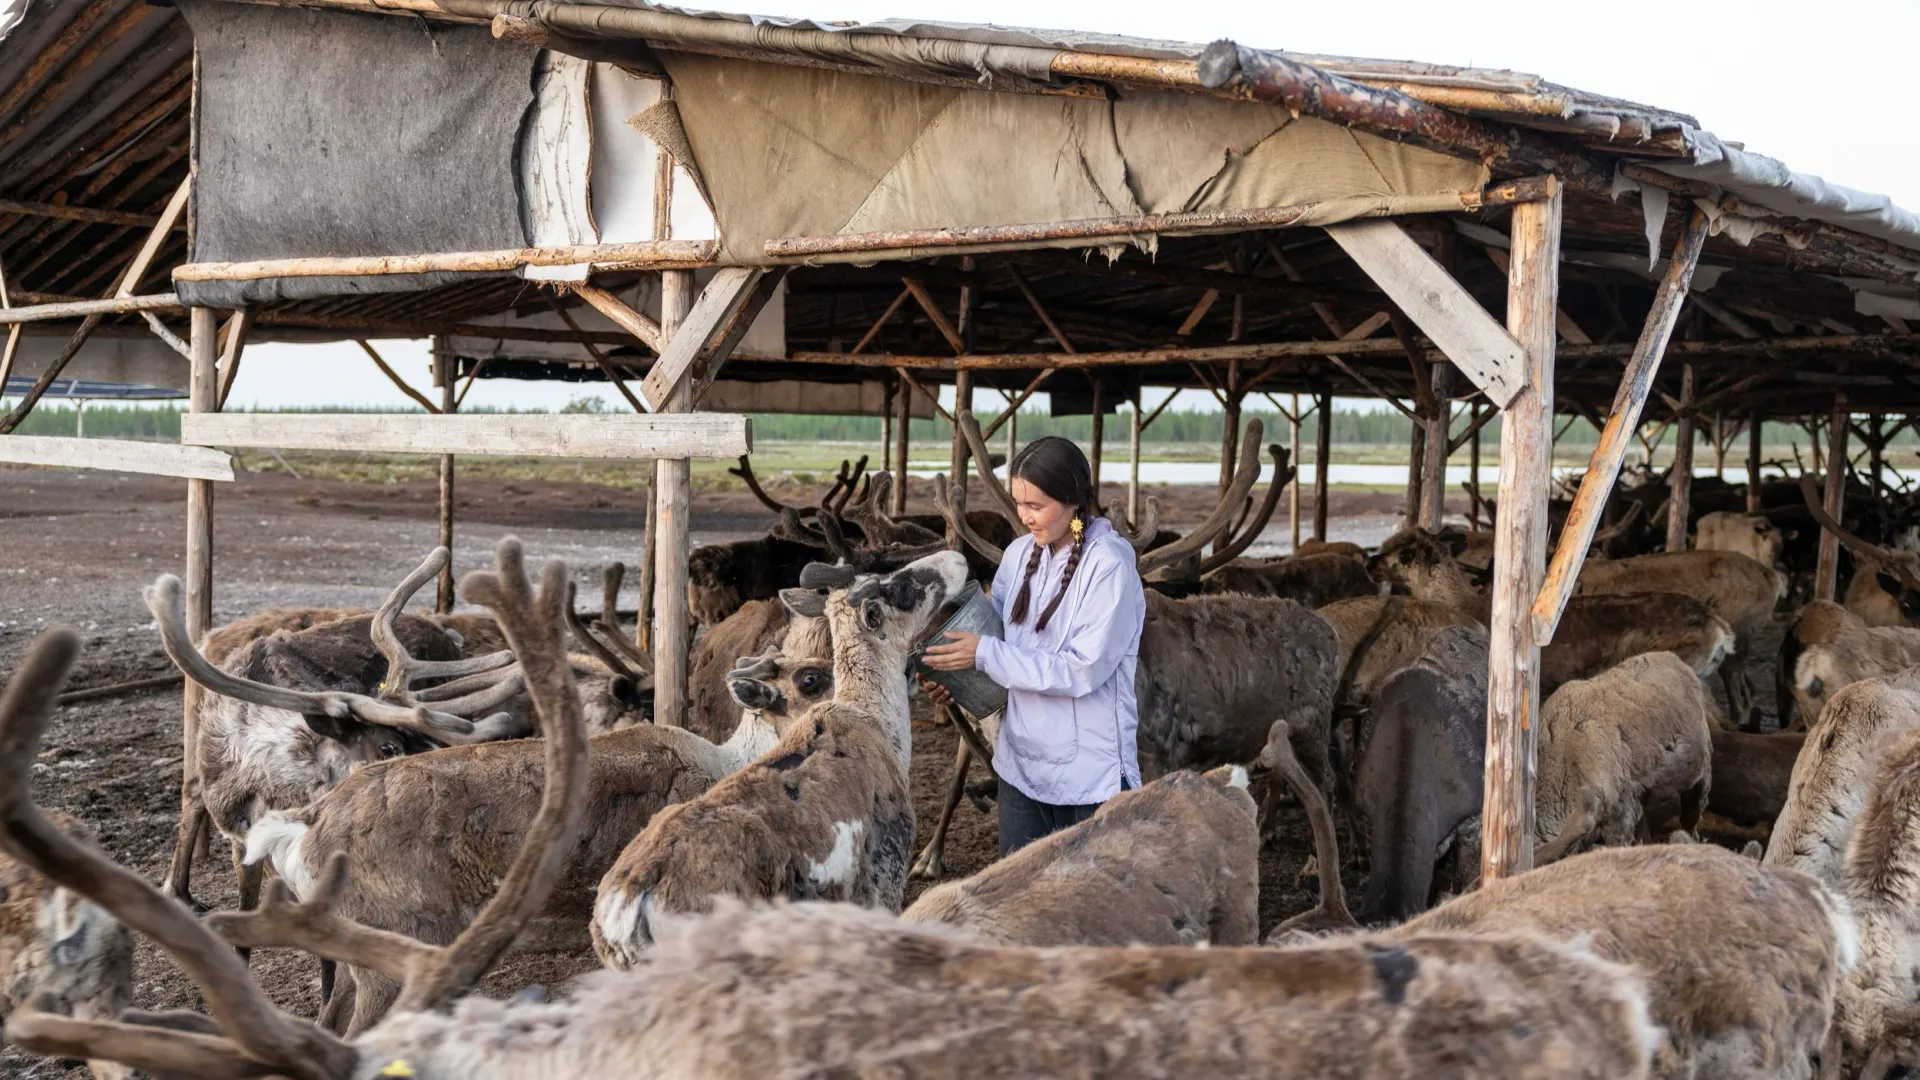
<point x="983" y="464"/>
<point x="1142" y="535"/>
<point x="164" y="598"/>
<point x="850" y="482"/>
<point x="1244" y="477"/>
<point x="402" y="669"/>
<point x="433" y="975"/>
<point x="952" y="501"/>
<point x="594" y="643"/>
<point x="1282" y="476"/>
<point x="1895" y="565"/>
<point x="744" y="470"/>
<point x="260" y="1038"/>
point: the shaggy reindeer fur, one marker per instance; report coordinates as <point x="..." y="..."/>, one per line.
<point x="749" y="631"/>
<point x="1751" y="535"/>
<point x="1175" y="862"/>
<point x="54" y="942"/>
<point x="1313" y="580"/>
<point x="427" y="837"/>
<point x="1596" y="632"/>
<point x="1879" y="1007"/>
<point x="1828" y="648"/>
<point x="832" y="990"/>
<point x="722" y="577"/>
<point x="1216" y="671"/>
<point x="1739" y="590"/>
<point x="1741" y="962"/>
<point x="1836" y="769"/>
<point x="1613" y="743"/>
<point x="824" y="814"/>
<point x="1380" y="635"/>
<point x="1418" y="775"/>
<point x="1750" y="777"/>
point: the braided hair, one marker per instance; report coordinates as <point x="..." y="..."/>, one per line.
<point x="1058" y="468"/>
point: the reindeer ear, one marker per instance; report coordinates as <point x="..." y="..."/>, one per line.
<point x="805" y="603"/>
<point x="329" y="727"/>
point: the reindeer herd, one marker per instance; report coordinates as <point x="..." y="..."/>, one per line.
<point x="408" y="798"/>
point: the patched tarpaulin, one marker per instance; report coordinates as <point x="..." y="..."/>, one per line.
<point x="325" y="133"/>
<point x="795" y="151"/>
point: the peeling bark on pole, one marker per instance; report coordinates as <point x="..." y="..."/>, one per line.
<point x="203" y="396"/>
<point x="1520" y="547"/>
<point x="673" y="632"/>
<point x="1433" y="463"/>
<point x="1680" y="477"/>
<point x="902" y="421"/>
<point x="1826" y="575"/>
<point x="449" y="404"/>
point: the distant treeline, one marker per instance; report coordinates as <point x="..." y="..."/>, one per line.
<point x="161" y="420"/>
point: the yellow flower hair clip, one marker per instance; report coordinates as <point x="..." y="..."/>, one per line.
<point x="1076" y="526"/>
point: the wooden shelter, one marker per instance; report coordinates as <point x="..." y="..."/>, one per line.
<point x="776" y="213"/>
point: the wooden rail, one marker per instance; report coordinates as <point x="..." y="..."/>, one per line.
<point x="689" y="435"/>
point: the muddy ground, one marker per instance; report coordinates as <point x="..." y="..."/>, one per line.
<point x="76" y="547"/>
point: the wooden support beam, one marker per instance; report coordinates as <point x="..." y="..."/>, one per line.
<point x="1372" y="387"/>
<point x="449" y="404"/>
<point x="203" y="400"/>
<point x="1520" y="545"/>
<point x="1470" y="434"/>
<point x="633" y="438"/>
<point x="599" y="358"/>
<point x="117" y="455"/>
<point x="1293" y="489"/>
<point x="932" y="398"/>
<point x="902" y="425"/>
<point x="1480" y="415"/>
<point x="717" y="321"/>
<point x="1826" y="573"/>
<point x="934" y="315"/>
<point x="1013" y="405"/>
<point x="13" y="336"/>
<point x="1680" y="477"/>
<point x="76" y="308"/>
<point x="1096" y="441"/>
<point x="644" y="255"/>
<point x="1569" y="330"/>
<point x="960" y="451"/>
<point x="1433" y="465"/>
<point x="1322" y="462"/>
<point x="1438" y="304"/>
<point x="1200" y="309"/>
<point x="874" y="330"/>
<point x="672" y="491"/>
<point x="1059" y="336"/>
<point x="176" y="206"/>
<point x="236" y="342"/>
<point x="394" y="377"/>
<point x="1755" y="433"/>
<point x="1636" y="385"/>
<point x="81" y="213"/>
<point x="622" y="314"/>
<point x="1133" y="462"/>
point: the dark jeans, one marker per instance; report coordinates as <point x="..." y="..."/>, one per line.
<point x="1024" y="820"/>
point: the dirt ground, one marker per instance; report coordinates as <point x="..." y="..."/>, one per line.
<point x="76" y="547"/>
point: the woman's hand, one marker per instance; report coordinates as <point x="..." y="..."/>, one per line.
<point x="954" y="655"/>
<point x="936" y="693"/>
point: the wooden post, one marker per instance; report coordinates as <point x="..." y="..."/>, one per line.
<point x="1826" y="574"/>
<point x="1876" y="447"/>
<point x="1520" y="545"/>
<point x="886" y="437"/>
<point x="1720" y="446"/>
<point x="1416" y="460"/>
<point x="672" y="632"/>
<point x="1680" y="477"/>
<point x="1098" y="437"/>
<point x="1322" y="462"/>
<point x="1473" y="471"/>
<point x="1293" y="489"/>
<point x="957" y="462"/>
<point x="443" y="371"/>
<point x="1754" y="436"/>
<point x="902" y="424"/>
<point x="203" y="396"/>
<point x="1433" y="463"/>
<point x="1133" y="459"/>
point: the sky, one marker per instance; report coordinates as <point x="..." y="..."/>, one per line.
<point x="1828" y="88"/>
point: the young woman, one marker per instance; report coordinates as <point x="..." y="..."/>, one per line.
<point x="1073" y="606"/>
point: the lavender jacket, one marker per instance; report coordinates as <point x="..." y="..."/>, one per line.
<point x="1068" y="736"/>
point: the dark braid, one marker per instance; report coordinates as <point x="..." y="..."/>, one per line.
<point x="1066" y="575"/>
<point x="1058" y="468"/>
<point x="1019" y="614"/>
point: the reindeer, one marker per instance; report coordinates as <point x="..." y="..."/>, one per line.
<point x="826" y="812"/>
<point x="1877" y="1018"/>
<point x="1829" y="648"/>
<point x="1598" y="631"/>
<point x="1679" y="914"/>
<point x="847" y="989"/>
<point x="60" y="950"/>
<point x="1174" y="862"/>
<point x="419" y="841"/>
<point x="290" y="715"/>
<point x="1214" y="671"/>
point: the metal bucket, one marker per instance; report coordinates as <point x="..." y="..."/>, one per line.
<point x="972" y="690"/>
